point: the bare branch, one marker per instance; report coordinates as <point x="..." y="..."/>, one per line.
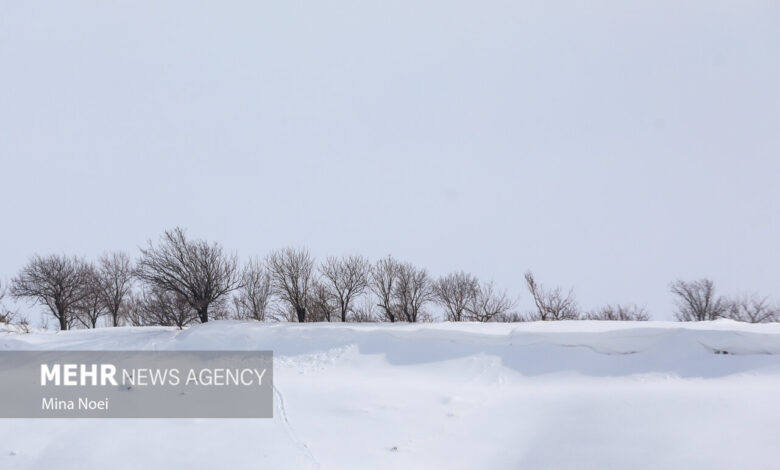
<point x="413" y="290"/>
<point x="696" y="301"/>
<point x="115" y="272"/>
<point x="363" y="312"/>
<point x="752" y="308"/>
<point x="158" y="307"/>
<point x="197" y="271"/>
<point x="383" y="280"/>
<point x="455" y="292"/>
<point x="551" y="304"/>
<point x="56" y="281"/>
<point x="322" y="303"/>
<point x="91" y="307"/>
<point x="345" y="278"/>
<point x="291" y="277"/>
<point x="619" y="313"/>
<point x="488" y="304"/>
<point x="253" y="298"/>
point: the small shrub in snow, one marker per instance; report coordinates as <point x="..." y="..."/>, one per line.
<point x="619" y="313"/>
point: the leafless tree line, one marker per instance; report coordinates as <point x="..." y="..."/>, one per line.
<point x="464" y="297"/>
<point x="697" y="301"/>
<point x="555" y="304"/>
<point x="178" y="281"/>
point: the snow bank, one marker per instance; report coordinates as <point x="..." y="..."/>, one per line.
<point x="579" y="395"/>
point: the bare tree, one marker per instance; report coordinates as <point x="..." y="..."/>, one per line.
<point x="160" y="307"/>
<point x="412" y="290"/>
<point x="488" y="303"/>
<point x="363" y="311"/>
<point x="176" y="309"/>
<point x="696" y="300"/>
<point x="56" y="281"/>
<point x="220" y="309"/>
<point x="197" y="271"/>
<point x="455" y="292"/>
<point x="753" y="309"/>
<point x="551" y="304"/>
<point x="91" y="307"/>
<point x="383" y="280"/>
<point x="291" y="277"/>
<point x="510" y="317"/>
<point x="253" y="298"/>
<point x="346" y="279"/>
<point x="6" y="315"/>
<point x="115" y="271"/>
<point x="131" y="309"/>
<point x="322" y="303"/>
<point x="619" y="313"/>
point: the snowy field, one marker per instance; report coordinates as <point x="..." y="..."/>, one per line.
<point x="557" y="395"/>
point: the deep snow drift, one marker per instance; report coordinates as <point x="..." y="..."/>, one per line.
<point x="579" y="395"/>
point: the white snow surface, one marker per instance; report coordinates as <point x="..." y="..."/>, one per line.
<point x="557" y="395"/>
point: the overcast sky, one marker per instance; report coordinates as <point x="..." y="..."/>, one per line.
<point x="611" y="147"/>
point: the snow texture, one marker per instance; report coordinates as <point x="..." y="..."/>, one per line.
<point x="563" y="395"/>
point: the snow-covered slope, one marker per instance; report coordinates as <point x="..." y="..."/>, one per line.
<point x="578" y="395"/>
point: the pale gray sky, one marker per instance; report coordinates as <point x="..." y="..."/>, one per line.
<point x="608" y="146"/>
